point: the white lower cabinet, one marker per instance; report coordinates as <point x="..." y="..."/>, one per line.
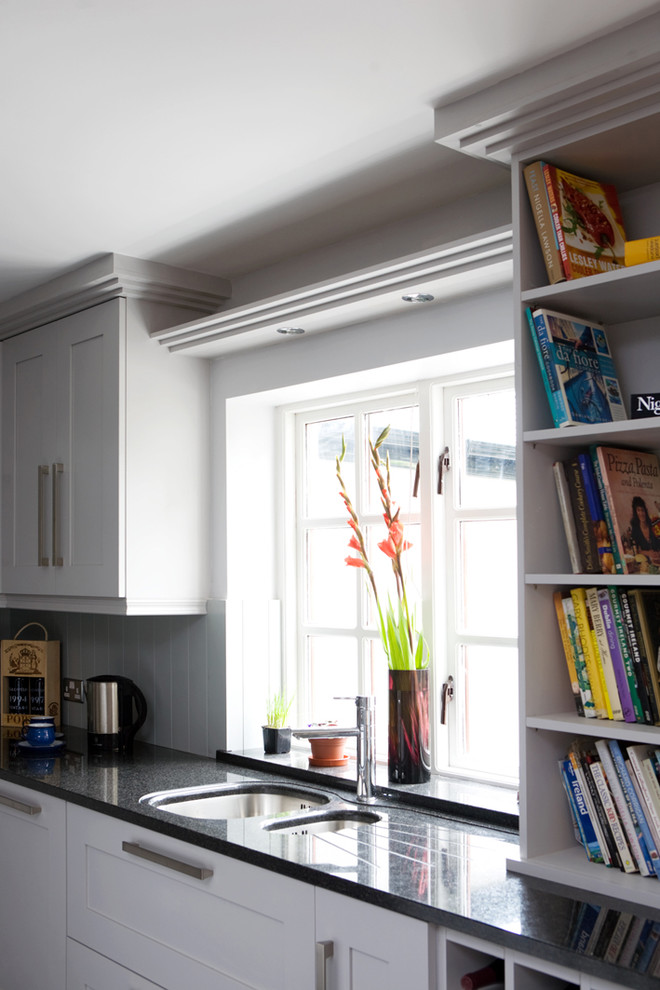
<point x="33" y="886"/>
<point x="87" y="970"/>
<point x="182" y="916"/>
<point x="367" y="947"/>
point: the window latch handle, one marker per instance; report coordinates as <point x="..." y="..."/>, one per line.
<point x="447" y="695"/>
<point x="443" y="465"/>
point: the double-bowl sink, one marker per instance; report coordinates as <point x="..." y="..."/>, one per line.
<point x="283" y="806"/>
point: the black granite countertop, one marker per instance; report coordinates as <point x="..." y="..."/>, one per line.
<point x="443" y="869"/>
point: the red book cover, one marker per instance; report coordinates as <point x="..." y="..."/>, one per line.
<point x="588" y="223"/>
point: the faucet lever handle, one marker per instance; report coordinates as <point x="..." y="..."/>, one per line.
<point x="361" y="700"/>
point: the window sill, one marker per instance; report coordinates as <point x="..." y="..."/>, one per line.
<point x="486" y="804"/>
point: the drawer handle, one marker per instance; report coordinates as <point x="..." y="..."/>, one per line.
<point x="198" y="872"/>
<point x="27" y="809"/>
<point x="324" y="950"/>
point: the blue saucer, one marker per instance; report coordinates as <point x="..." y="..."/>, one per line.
<point x="51" y="749"/>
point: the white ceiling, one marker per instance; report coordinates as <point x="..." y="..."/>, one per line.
<point x="224" y="135"/>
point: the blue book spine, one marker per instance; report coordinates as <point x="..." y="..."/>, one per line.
<point x="641" y="824"/>
<point x="595" y="508"/>
<point x="548" y="370"/>
<point x="589" y="837"/>
<point x="598" y="476"/>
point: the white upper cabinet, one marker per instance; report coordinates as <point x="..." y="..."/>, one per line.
<point x="105" y="453"/>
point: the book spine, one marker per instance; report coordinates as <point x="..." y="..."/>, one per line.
<point x="618" y="938"/>
<point x="640" y="251"/>
<point x="583" y="524"/>
<point x="584" y="683"/>
<point x="630" y="943"/>
<point x="592" y="660"/>
<point x="616" y="655"/>
<point x="630" y="653"/>
<point x="590" y="839"/>
<point x="604" y="653"/>
<point x="633" y="799"/>
<point x="568" y="521"/>
<point x="601" y="532"/>
<point x="603" y="831"/>
<point x="629" y="824"/>
<point x="538" y="199"/>
<point x="628" y="864"/>
<point x="644" y="680"/>
<point x="551" y="383"/>
<point x="568" y="651"/>
<point x="620" y="565"/>
<point x="552" y="189"/>
<point x="650" y="666"/>
<point x="641" y="784"/>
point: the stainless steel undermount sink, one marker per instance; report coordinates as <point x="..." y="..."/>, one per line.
<point x="251" y="799"/>
<point x="325" y="821"/>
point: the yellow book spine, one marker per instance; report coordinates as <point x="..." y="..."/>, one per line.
<point x="641" y="251"/>
<point x="594" y="670"/>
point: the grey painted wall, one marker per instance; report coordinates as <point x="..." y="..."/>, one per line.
<point x="176" y="661"/>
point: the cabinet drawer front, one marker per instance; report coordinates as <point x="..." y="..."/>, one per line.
<point x="87" y="970"/>
<point x="239" y="926"/>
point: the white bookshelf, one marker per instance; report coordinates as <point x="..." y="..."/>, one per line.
<point x="628" y="303"/>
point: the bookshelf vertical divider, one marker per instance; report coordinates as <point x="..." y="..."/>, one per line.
<point x="627" y="302"/>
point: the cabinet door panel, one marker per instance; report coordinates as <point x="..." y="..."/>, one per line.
<point x="88" y="448"/>
<point x="32" y="879"/>
<point x="28" y="434"/>
<point x="372" y="947"/>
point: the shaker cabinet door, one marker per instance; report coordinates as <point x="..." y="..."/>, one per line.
<point x="60" y="452"/>
<point x="33" y="885"/>
<point x="369" y="947"/>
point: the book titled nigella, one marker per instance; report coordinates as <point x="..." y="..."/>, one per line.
<point x="577" y="368"/>
<point x="645" y="406"/>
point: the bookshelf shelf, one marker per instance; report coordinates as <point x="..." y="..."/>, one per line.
<point x="627" y="302"/>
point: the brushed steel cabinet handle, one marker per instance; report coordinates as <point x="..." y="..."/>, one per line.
<point x="42" y="473"/>
<point x="26" y="809"/>
<point x="135" y="849"/>
<point x="324" y="951"/>
<point x="58" y="469"/>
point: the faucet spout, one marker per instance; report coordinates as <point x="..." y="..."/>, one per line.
<point x="364" y="731"/>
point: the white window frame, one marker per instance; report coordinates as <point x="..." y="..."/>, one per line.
<point x="432" y="415"/>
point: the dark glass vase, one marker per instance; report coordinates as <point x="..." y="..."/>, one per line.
<point x="408" y="755"/>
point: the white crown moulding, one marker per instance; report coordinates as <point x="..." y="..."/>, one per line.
<point x="614" y="78"/>
<point x="444" y="271"/>
<point x="106" y="277"/>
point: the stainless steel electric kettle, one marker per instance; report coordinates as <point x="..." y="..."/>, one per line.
<point x="111" y="725"/>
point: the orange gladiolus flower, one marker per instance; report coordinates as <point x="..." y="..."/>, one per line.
<point x="355" y="562"/>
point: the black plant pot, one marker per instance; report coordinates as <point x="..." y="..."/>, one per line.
<point x="276" y="740"/>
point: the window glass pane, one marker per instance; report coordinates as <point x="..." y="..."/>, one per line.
<point x="402" y="444"/>
<point x="487" y="440"/>
<point x="330" y="598"/>
<point x="333" y="674"/>
<point x="487" y="596"/>
<point x="382" y="567"/>
<point x="322" y="447"/>
<point x="488" y="710"/>
<point x="376" y="665"/>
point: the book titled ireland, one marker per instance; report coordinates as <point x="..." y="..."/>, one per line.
<point x="577" y="368"/>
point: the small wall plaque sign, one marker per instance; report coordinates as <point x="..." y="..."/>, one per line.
<point x="645" y="405"/>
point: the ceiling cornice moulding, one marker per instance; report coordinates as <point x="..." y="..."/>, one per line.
<point x="107" y="277"/>
<point x="351" y="297"/>
<point x="612" y="78"/>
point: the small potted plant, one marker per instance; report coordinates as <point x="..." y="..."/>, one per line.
<point x="277" y="735"/>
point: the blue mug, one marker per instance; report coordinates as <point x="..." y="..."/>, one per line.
<point x="39" y="733"/>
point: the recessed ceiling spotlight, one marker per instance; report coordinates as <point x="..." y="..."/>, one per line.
<point x="290" y="330"/>
<point x="417" y="297"/>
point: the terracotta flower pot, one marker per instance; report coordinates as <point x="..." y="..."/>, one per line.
<point x="328" y="752"/>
